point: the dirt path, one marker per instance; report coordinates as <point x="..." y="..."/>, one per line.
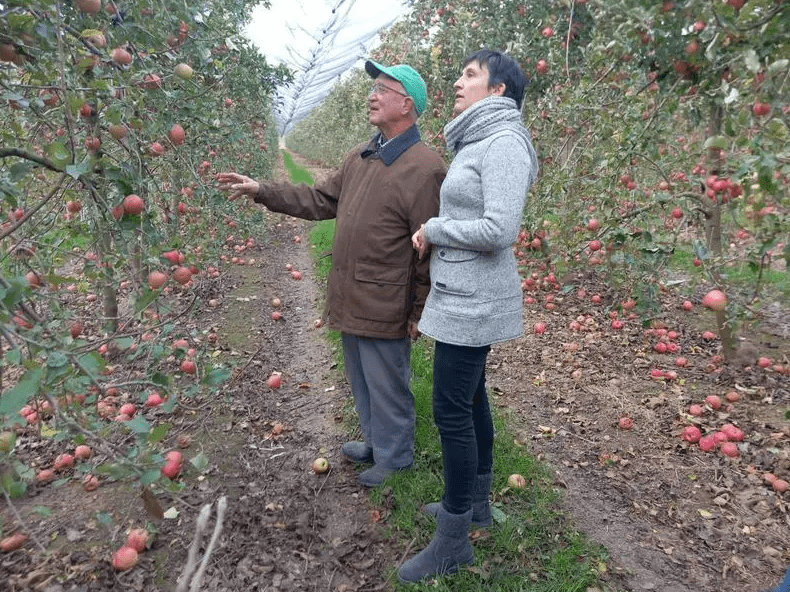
<point x="287" y="526"/>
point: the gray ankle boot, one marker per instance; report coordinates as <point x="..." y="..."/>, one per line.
<point x="448" y="550"/>
<point x="481" y="509"/>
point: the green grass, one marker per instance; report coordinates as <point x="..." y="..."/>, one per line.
<point x="531" y="546"/>
<point x="740" y="274"/>
<point x="297" y="173"/>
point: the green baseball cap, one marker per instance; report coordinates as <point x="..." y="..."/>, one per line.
<point x="412" y="82"/>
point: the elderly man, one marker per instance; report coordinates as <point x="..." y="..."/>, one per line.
<point x="382" y="193"/>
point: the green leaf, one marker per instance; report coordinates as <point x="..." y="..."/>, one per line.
<point x="200" y="462"/>
<point x="138" y="424"/>
<point x="14" y="357"/>
<point x="27" y="387"/>
<point x="149" y="477"/>
<point x="15" y="489"/>
<point x="19" y="171"/>
<point x="92" y="363"/>
<point x="160" y="379"/>
<point x="217" y="376"/>
<point x="158" y="433"/>
<point x="57" y="359"/>
<point x="498" y="515"/>
<point x="145" y="300"/>
<point x="787" y="414"/>
<point x="104" y="518"/>
<point x="124" y="342"/>
<point x="77" y="170"/>
<point x="44" y="511"/>
<point x="58" y="153"/>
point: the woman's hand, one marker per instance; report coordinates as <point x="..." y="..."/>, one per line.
<point x="419" y="241"/>
<point x="238" y="184"/>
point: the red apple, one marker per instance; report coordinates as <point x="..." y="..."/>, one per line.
<point x="156" y="149"/>
<point x="707" y="443"/>
<point x="124" y="558"/>
<point x="117" y="131"/>
<point x="188" y="367"/>
<point x="714" y="401"/>
<point x="177" y="134"/>
<point x="88" y="6"/>
<point x="182" y="275"/>
<point x="137" y="539"/>
<point x="715" y="300"/>
<point x="120" y="56"/>
<point x="63" y="461"/>
<point x="274" y="381"/>
<point x="133" y="204"/>
<point x="171" y="469"/>
<point x="12" y="542"/>
<point x="156" y="279"/>
<point x="730" y="449"/>
<point x="82" y="452"/>
<point x="90" y="482"/>
<point x="153" y="400"/>
<point x="692" y="434"/>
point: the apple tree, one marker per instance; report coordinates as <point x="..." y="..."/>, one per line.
<point x="113" y="118"/>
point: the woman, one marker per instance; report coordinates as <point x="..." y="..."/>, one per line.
<point x="475" y="297"/>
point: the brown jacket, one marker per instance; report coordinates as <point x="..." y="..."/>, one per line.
<point x="377" y="283"/>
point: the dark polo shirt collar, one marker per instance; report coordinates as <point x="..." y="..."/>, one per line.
<point x="389" y="151"/>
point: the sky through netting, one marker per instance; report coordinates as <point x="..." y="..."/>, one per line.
<point x="320" y="40"/>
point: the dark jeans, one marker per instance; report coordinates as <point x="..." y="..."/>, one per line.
<point x="461" y="412"/>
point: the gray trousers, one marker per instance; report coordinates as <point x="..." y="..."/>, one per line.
<point x="379" y="373"/>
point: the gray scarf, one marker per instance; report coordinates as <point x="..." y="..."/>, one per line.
<point x="485" y="118"/>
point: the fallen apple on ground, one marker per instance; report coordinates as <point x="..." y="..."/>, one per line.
<point x="124" y="558"/>
<point x="137" y="539"/>
<point x="320" y="465"/>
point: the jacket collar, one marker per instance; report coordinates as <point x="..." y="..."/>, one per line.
<point x="390" y="150"/>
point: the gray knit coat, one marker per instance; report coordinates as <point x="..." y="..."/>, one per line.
<point x="475" y="296"/>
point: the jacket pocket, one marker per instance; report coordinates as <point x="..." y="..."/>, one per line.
<point x="380" y="292"/>
<point x="455" y="271"/>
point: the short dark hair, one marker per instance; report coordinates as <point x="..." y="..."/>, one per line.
<point x="501" y="69"/>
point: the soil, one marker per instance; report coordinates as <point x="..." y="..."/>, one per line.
<point x="673" y="518"/>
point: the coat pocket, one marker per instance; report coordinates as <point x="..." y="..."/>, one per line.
<point x="380" y="292"/>
<point x="455" y="271"/>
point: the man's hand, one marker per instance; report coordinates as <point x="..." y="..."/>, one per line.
<point x="414" y="332"/>
<point x="238" y="184"/>
<point x="419" y="242"/>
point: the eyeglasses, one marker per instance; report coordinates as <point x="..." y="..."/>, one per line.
<point x="380" y="89"/>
